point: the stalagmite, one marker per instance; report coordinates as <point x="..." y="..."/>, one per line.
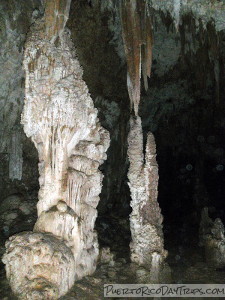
<point x="147" y="246"/>
<point x="211" y="237"/>
<point x="61" y="120"/>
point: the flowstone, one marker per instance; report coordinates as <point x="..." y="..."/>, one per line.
<point x="60" y="118"/>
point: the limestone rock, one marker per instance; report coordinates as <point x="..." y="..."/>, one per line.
<point x="38" y="266"/>
<point x="147" y="246"/>
<point x="60" y="117"/>
<point x="11" y="202"/>
<point x="106" y="256"/>
<point x="56" y="16"/>
<point x="213" y="240"/>
<point x="16" y="156"/>
<point x="17" y="213"/>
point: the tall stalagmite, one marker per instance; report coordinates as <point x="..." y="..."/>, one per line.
<point x="147" y="246"/>
<point x="61" y="120"/>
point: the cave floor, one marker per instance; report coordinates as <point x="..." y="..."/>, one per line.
<point x="187" y="266"/>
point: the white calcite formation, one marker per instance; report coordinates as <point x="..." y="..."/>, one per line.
<point x="61" y="120"/>
<point x="147" y="246"/>
<point x="211" y="237"/>
<point x="38" y="266"/>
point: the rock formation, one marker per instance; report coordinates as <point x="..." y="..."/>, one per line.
<point x="61" y="120"/>
<point x="147" y="246"/>
<point x="211" y="237"/>
<point x="38" y="266"/>
<point x="138" y="40"/>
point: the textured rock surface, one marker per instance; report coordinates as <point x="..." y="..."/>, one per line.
<point x="60" y="117"/>
<point x="202" y="9"/>
<point x="14" y="27"/>
<point x="192" y="270"/>
<point x="61" y="120"/>
<point x="17" y="214"/>
<point x="38" y="266"/>
<point x="213" y="240"/>
<point x="179" y="107"/>
<point x="56" y="16"/>
<point x="147" y="246"/>
<point x="138" y="40"/>
<point x="18" y="157"/>
<point x="106" y="257"/>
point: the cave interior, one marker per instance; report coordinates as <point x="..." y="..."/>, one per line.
<point x="183" y="106"/>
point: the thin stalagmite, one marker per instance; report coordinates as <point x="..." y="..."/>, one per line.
<point x="147" y="245"/>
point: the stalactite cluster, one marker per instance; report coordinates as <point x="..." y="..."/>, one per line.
<point x="138" y="42"/>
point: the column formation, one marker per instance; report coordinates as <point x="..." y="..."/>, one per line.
<point x="60" y="118"/>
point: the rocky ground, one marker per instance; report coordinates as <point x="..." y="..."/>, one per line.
<point x="187" y="266"/>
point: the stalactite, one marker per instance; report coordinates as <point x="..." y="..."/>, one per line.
<point x="213" y="41"/>
<point x="61" y="120"/>
<point x="16" y="156"/>
<point x="176" y="12"/>
<point x="138" y="41"/>
<point x="56" y="16"/>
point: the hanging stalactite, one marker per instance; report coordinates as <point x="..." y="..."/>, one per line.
<point x="138" y="41"/>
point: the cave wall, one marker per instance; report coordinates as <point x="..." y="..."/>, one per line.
<point x="18" y="157"/>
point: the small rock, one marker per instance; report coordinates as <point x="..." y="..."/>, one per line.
<point x="122" y="260"/>
<point x="10" y="203"/>
<point x="112" y="273"/>
<point x="11" y="216"/>
<point x="25" y="208"/>
<point x="62" y="206"/>
<point x="106" y="257"/>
